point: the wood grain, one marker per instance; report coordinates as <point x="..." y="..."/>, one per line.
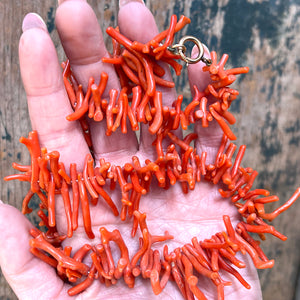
<point x="259" y="34"/>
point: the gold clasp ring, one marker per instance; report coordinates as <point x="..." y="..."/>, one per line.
<point x="180" y="49"/>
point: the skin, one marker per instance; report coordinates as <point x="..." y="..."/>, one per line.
<point x="166" y="210"/>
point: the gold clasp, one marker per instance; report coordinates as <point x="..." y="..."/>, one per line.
<point x="180" y="49"/>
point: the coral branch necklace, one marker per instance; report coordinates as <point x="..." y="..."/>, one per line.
<point x="139" y="101"/>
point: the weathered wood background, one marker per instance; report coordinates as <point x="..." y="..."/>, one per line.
<point x="263" y="35"/>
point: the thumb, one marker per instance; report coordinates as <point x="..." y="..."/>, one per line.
<point x="18" y="265"/>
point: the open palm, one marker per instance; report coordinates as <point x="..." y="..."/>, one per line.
<point x="198" y="213"/>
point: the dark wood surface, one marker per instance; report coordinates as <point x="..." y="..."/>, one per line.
<point x="260" y="34"/>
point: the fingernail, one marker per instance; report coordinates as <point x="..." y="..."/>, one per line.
<point x="33" y="20"/>
<point x="124" y="2"/>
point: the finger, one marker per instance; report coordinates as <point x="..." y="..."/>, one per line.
<point x="47" y="99"/>
<point x="83" y="43"/>
<point x="209" y="138"/>
<point x="19" y="266"/>
<point x="137" y="23"/>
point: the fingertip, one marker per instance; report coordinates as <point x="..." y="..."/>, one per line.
<point x="59" y="2"/>
<point x="39" y="66"/>
<point x="79" y="32"/>
<point x="195" y="51"/>
<point x="82" y="40"/>
<point x="208" y="137"/>
<point x="48" y="103"/>
<point x="196" y="75"/>
<point x="136" y="21"/>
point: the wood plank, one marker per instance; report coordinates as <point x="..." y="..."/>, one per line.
<point x="259" y="34"/>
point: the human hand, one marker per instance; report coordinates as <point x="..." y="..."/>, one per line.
<point x="198" y="213"/>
